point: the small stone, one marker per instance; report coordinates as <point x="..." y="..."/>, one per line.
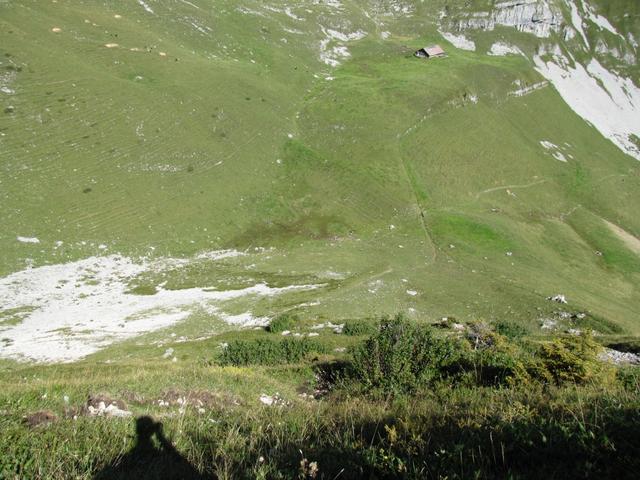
<point x="558" y="299"/>
<point x="168" y="353"/>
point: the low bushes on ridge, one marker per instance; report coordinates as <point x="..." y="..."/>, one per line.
<point x="282" y="322"/>
<point x="268" y="352"/>
<point x="403" y="356"/>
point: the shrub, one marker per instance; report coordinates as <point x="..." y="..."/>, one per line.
<point x="571" y="359"/>
<point x="492" y="368"/>
<point x="512" y="331"/>
<point x="629" y="378"/>
<point x="402" y="356"/>
<point x="283" y="322"/>
<point x="493" y="359"/>
<point x="268" y="352"/>
<point x="356" y="328"/>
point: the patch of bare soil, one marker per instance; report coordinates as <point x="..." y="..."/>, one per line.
<point x="41" y="418"/>
<point x="632" y="242"/>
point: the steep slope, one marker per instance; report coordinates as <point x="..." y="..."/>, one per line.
<point x="306" y="141"/>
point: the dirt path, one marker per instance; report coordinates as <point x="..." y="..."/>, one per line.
<point x="632" y="242"/>
<point x="509" y="187"/>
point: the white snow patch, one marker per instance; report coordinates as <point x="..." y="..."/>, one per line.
<point x="77" y="308"/>
<point x="459" y="41"/>
<point x="609" y="102"/>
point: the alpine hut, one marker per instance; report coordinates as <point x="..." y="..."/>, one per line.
<point x="430" y="52"/>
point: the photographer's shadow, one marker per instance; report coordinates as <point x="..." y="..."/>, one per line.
<point x="147" y="461"/>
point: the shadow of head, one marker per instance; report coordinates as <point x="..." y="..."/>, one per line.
<point x="148" y="460"/>
<point x="146" y="427"/>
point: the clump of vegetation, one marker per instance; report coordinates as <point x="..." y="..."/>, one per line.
<point x="629" y="378"/>
<point x="143" y="290"/>
<point x="493" y="359"/>
<point x="572" y="359"/>
<point x="402" y="356"/>
<point x="356" y="328"/>
<point x="268" y="352"/>
<point x="511" y="330"/>
<point x="283" y="322"/>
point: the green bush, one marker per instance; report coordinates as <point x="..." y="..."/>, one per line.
<point x="496" y="366"/>
<point x="283" y="322"/>
<point x="355" y="328"/>
<point x="571" y="359"/>
<point x="510" y="330"/>
<point x="629" y="378"/>
<point x="492" y="359"/>
<point x="402" y="356"/>
<point x="268" y="352"/>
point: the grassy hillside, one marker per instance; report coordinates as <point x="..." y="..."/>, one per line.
<point x="484" y="415"/>
<point x="176" y="174"/>
<point x="217" y="125"/>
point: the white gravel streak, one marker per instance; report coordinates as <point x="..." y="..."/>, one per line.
<point x="459" y="41"/>
<point x="609" y="102"/>
<point x="576" y="20"/>
<point x="74" y="309"/>
<point x="145" y="6"/>
<point x="501" y="49"/>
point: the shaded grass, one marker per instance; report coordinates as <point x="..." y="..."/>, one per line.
<point x="446" y="428"/>
<point x="454" y="433"/>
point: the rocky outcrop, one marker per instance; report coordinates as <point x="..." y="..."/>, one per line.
<point x="538" y="17"/>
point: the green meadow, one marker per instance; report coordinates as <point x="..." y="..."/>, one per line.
<point x="306" y="141"/>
